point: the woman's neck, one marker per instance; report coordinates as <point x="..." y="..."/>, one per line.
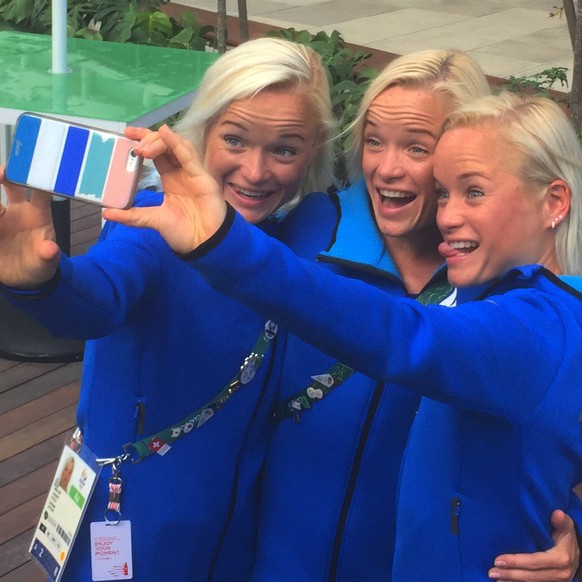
<point x="416" y="258"/>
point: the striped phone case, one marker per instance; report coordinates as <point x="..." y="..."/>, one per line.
<point x="73" y="160"/>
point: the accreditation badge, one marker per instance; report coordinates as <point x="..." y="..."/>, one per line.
<point x="63" y="511"/>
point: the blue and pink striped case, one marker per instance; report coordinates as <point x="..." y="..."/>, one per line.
<point x="73" y="160"/>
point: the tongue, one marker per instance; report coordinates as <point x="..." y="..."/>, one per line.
<point x="446" y="250"/>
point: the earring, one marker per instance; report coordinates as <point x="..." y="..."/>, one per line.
<point x="557" y="220"/>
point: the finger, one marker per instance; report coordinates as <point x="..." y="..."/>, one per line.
<point x="530" y="562"/>
<point x="140" y="217"/>
<point x="151" y="147"/>
<point x="137" y="133"/>
<point x="14" y="193"/>
<point x="526" y="576"/>
<point x="562" y="522"/>
<point x="40" y="200"/>
<point x="48" y="250"/>
<point x="183" y="150"/>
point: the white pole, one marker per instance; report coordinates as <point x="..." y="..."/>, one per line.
<point x="59" y="36"/>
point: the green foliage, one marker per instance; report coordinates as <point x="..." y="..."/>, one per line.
<point x="539" y="83"/>
<point x="137" y="21"/>
<point x="25" y="15"/>
<point x="348" y="77"/>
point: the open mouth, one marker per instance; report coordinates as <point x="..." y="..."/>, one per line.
<point x="252" y="194"/>
<point x="457" y="248"/>
<point x="395" y="198"/>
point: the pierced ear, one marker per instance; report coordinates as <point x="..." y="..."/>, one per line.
<point x="559" y="196"/>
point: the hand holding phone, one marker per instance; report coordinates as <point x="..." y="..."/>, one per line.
<point x="73" y="160"/>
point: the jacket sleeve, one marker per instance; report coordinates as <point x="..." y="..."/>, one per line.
<point x="92" y="294"/>
<point x="470" y="356"/>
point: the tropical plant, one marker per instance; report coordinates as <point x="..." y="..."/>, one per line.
<point x="137" y="21"/>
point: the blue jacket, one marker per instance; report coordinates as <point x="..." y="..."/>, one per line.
<point x="498" y="445"/>
<point x="328" y="499"/>
<point x="162" y="344"/>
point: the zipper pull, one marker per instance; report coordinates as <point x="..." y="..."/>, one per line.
<point x="140" y="417"/>
<point x="455" y="514"/>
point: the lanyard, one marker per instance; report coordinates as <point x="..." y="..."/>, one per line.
<point x="162" y="441"/>
<point x="338" y="373"/>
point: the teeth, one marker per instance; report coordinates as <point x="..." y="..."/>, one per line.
<point x="463" y="244"/>
<point x="395" y="194"/>
<point x="252" y="193"/>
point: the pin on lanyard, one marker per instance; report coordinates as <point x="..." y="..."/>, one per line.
<point x="113" y="510"/>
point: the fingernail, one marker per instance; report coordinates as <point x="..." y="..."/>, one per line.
<point x="500" y="563"/>
<point x="494" y="575"/>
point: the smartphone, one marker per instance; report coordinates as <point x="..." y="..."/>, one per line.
<point x="73" y="160"/>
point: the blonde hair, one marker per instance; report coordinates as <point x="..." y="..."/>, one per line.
<point x="252" y="67"/>
<point x="450" y="72"/>
<point x="547" y="149"/>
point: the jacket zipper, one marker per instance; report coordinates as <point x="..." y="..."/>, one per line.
<point x="339" y="533"/>
<point x="234" y="490"/>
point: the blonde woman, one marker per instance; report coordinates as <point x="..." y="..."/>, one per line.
<point x="165" y="351"/>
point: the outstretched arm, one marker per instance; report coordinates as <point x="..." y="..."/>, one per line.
<point x="558" y="564"/>
<point x="29" y="255"/>
<point x="193" y="208"/>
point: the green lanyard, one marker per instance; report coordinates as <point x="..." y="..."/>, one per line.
<point x="162" y="441"/>
<point x="337" y="374"/>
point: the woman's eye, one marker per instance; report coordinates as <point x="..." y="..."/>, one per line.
<point x="442" y="194"/>
<point x="232" y="141"/>
<point x="418" y="150"/>
<point x="285" y="151"/>
<point x="474" y="193"/>
<point x="372" y="142"/>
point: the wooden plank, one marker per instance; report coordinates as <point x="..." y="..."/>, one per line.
<point x="40" y="386"/>
<point x="40" y="408"/>
<point x="7" y="364"/>
<point x="28" y="572"/>
<point x="85" y="234"/>
<point x="22" y="372"/>
<point x="15" y="552"/>
<point x="21" y="519"/>
<point x="26" y="488"/>
<point x="34" y="458"/>
<point x="87" y="223"/>
<point x="31" y="435"/>
<point x="79" y="210"/>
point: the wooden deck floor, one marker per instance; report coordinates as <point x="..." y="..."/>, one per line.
<point x="37" y="410"/>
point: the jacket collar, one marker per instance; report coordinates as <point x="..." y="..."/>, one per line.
<point x="357" y="224"/>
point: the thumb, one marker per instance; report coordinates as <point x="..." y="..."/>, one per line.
<point x="561" y="522"/>
<point x="144" y="217"/>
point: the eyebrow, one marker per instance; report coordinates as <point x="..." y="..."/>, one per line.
<point x="469" y="175"/>
<point x="244" y="127"/>
<point x="411" y="130"/>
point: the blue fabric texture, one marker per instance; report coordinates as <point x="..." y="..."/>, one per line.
<point x="163" y="341"/>
<point x="496" y="446"/>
